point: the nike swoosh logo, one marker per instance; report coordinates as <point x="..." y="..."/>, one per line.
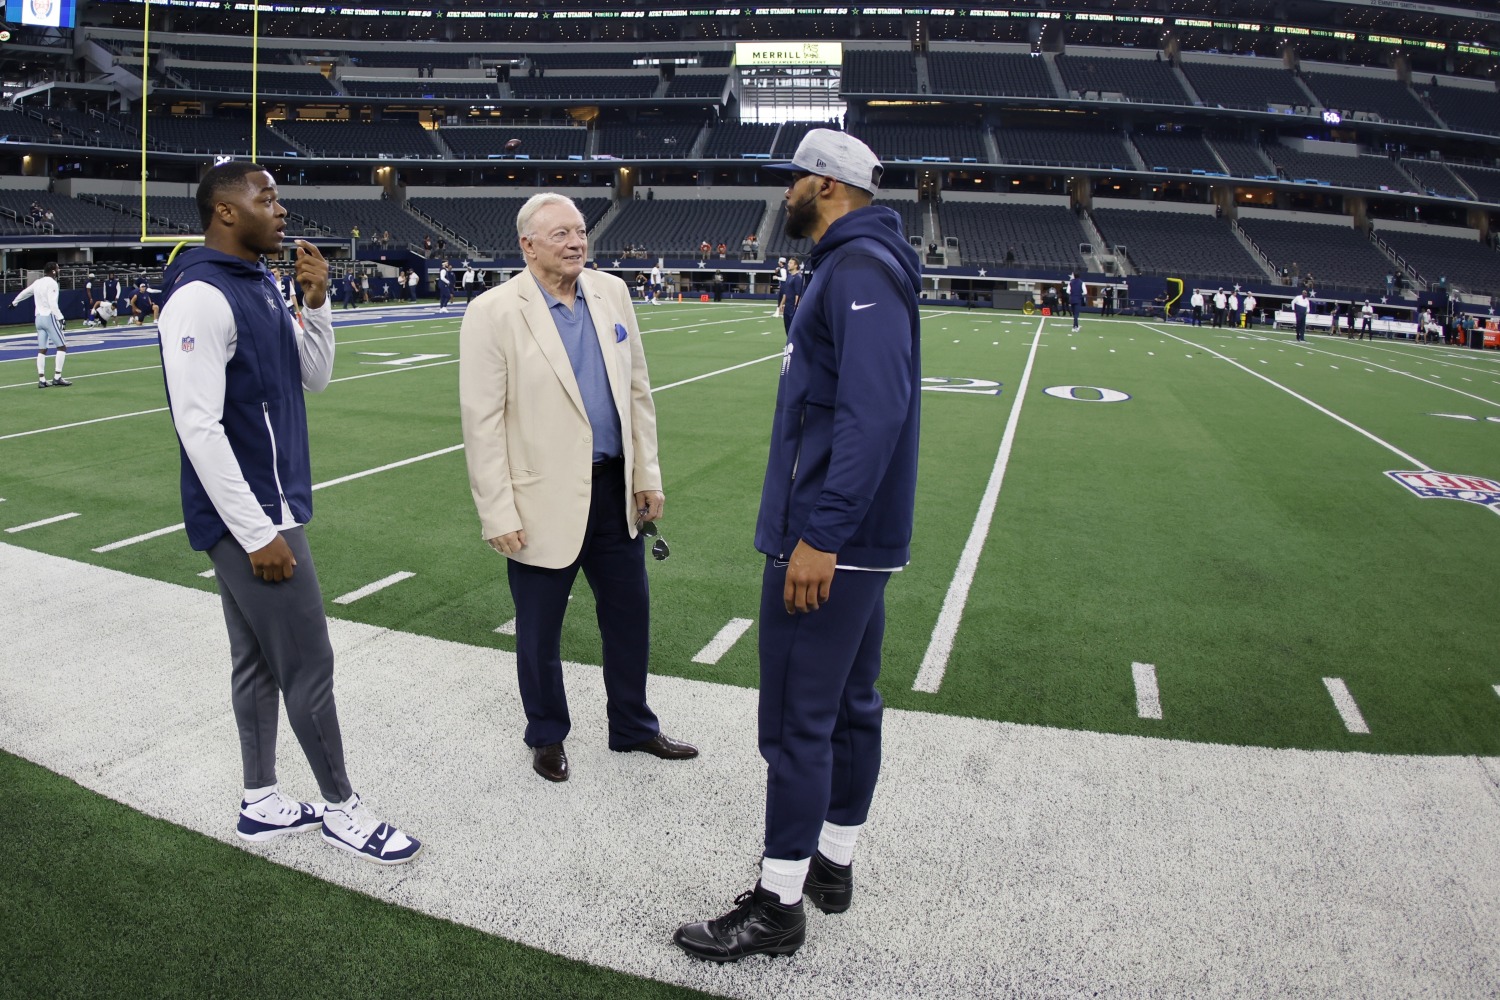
<point x="857" y="306"/>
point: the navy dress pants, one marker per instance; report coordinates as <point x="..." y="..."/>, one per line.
<point x="819" y="710"/>
<point x="614" y="565"/>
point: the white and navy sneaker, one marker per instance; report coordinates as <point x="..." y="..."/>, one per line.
<point x="277" y="815"/>
<point x="349" y="827"/>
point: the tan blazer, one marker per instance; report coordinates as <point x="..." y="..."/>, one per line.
<point x="527" y="437"/>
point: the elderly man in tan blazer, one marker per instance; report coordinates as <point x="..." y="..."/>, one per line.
<point x="560" y="437"/>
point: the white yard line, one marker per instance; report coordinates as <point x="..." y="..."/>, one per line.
<point x="509" y="628"/>
<point x="387" y="467"/>
<point x="82" y="423"/>
<point x="935" y="660"/>
<point x="723" y="641"/>
<point x="1147" y="694"/>
<point x="372" y="588"/>
<point x="1344" y="702"/>
<point x="393" y="371"/>
<point x="74" y="376"/>
<point x="1418" y="465"/>
<point x="38" y="524"/>
<point x="721" y="371"/>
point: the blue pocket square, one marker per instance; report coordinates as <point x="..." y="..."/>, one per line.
<point x="620" y="333"/>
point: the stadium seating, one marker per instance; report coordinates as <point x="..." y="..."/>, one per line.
<point x="1484" y="183"/>
<point x="1009" y="74"/>
<point x="1176" y="152"/>
<point x="1253" y="88"/>
<point x="23" y="125"/>
<point x="1435" y="178"/>
<point x="1387" y="98"/>
<point x="490" y="223"/>
<point x="1144" y="80"/>
<point x="1467" y="110"/>
<point x="1374" y="172"/>
<point x="1041" y="237"/>
<point x="647" y="140"/>
<point x="728" y="140"/>
<point x="1336" y="255"/>
<point x="878" y="72"/>
<point x="339" y="216"/>
<point x="69" y="215"/>
<point x="779" y="244"/>
<point x="167" y="215"/>
<point x="1077" y="148"/>
<point x="1243" y="158"/>
<point x="96" y="130"/>
<point x="698" y="85"/>
<point x="423" y="87"/>
<point x="914" y="142"/>
<point x="590" y="88"/>
<point x="206" y="134"/>
<point x="309" y="83"/>
<point x="1178" y="244"/>
<point x="675" y="228"/>
<point x="478" y="142"/>
<point x="376" y="58"/>
<point x="1466" y="263"/>
<point x="395" y="137"/>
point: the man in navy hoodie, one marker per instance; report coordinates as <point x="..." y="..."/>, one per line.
<point x="835" y="522"/>
<point x="236" y="366"/>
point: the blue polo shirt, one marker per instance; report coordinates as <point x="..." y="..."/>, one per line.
<point x="575" y="327"/>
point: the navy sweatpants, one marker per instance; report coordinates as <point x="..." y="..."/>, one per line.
<point x="819" y="710"/>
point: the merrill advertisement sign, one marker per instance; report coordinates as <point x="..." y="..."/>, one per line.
<point x="788" y="53"/>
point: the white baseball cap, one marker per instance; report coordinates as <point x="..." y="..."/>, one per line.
<point x="839" y="155"/>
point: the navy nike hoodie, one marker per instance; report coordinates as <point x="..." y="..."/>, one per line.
<point x="265" y="417"/>
<point x="842" y="470"/>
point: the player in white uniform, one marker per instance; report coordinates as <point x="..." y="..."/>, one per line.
<point x="49" y="326"/>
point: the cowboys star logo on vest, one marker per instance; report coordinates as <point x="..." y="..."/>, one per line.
<point x="1446" y="486"/>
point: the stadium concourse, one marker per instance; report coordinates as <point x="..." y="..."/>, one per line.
<point x="1347" y="150"/>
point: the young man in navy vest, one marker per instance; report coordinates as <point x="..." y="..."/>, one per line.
<point x="236" y="366"/>
<point x="835" y="524"/>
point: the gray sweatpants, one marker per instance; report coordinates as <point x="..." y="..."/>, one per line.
<point x="278" y="647"/>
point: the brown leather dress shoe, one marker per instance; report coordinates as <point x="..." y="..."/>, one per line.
<point x="663" y="746"/>
<point x="550" y="761"/>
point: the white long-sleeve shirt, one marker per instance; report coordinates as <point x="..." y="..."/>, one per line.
<point x="196" y="381"/>
<point x="44" y="293"/>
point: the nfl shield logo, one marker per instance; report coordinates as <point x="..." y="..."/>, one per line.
<point x="188" y="343"/>
<point x="1447" y="486"/>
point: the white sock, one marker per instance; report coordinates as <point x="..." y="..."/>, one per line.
<point x="41" y="366"/>
<point x="256" y="794"/>
<point x="836" y="843"/>
<point x="57" y="363"/>
<point x="784" y="878"/>
<point x="345" y="805"/>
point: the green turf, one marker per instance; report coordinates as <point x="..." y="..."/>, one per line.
<point x="1242" y="542"/>
<point x="103" y="901"/>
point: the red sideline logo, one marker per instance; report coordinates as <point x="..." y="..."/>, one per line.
<point x="1447" y="486"/>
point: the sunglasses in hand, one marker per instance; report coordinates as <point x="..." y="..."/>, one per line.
<point x="659" y="549"/>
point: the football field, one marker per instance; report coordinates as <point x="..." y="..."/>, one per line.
<point x="1214" y="504"/>
<point x="1139" y="530"/>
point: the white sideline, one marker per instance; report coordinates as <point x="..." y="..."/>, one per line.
<point x="935" y="660"/>
<point x="38" y="524"/>
<point x="1033" y="862"/>
<point x="1147" y="694"/>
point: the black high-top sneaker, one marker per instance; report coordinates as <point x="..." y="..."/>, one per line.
<point x="829" y="886"/>
<point x="759" y="924"/>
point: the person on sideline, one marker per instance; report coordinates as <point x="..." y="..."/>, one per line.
<point x="44" y="293"/>
<point x="1249" y="306"/>
<point x="835" y="523"/>
<point x="1197" y="303"/>
<point x="560" y="439"/>
<point x="1075" y="298"/>
<point x="236" y="366"/>
<point x="792" y="290"/>
<point x="445" y="286"/>
<point x="1300" y="304"/>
